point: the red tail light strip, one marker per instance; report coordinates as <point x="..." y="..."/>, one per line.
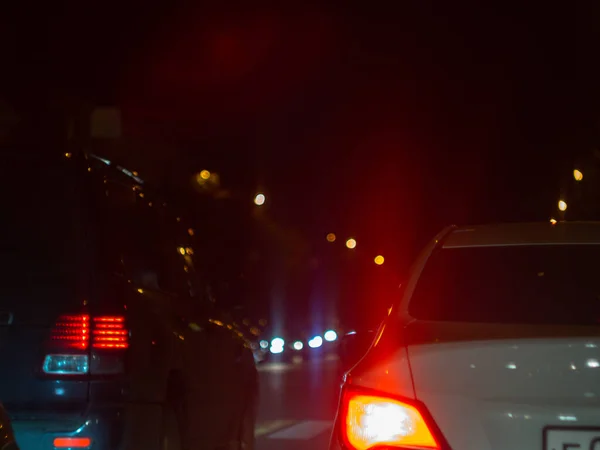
<point x="110" y="332"/>
<point x="77" y="332"/>
<point x="72" y="331"/>
<point x="72" y="442"/>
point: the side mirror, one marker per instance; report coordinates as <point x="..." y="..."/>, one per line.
<point x="353" y="346"/>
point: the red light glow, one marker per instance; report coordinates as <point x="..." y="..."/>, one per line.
<point x="110" y="333"/>
<point x="72" y="442"/>
<point x="72" y="331"/>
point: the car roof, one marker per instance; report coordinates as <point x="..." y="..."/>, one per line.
<point x="512" y="234"/>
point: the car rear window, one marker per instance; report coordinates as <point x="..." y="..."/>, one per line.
<point x="541" y="284"/>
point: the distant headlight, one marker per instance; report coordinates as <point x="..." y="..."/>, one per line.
<point x="277" y="342"/>
<point x="298" y="345"/>
<point x="315" y="342"/>
<point x="276" y="350"/>
<point x="330" y="336"/>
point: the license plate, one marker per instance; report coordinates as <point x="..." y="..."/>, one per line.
<point x="571" y="438"/>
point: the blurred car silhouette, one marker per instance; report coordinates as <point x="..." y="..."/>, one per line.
<point x="106" y="339"/>
<point x="7" y="438"/>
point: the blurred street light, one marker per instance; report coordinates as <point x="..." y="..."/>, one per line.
<point x="379" y="260"/>
<point x="553" y="221"/>
<point x="578" y="175"/>
<point x="260" y="199"/>
<point x="205" y="174"/>
<point x="351" y="243"/>
<point x="331" y="237"/>
<point x="562" y="205"/>
<point x="330" y="335"/>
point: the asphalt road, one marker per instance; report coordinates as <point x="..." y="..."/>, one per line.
<point x="297" y="404"/>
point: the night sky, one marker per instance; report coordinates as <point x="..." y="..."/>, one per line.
<point x="383" y="123"/>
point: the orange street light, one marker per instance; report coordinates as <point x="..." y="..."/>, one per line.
<point x="351" y="243"/>
<point x="379" y="260"/>
<point x="331" y="237"/>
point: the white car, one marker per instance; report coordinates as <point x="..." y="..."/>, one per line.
<point x="494" y="344"/>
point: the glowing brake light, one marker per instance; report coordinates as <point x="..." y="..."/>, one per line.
<point x="72" y="338"/>
<point x="72" y="442"/>
<point x="110" y="333"/>
<point x="372" y="421"/>
<point x="77" y="332"/>
<point x="72" y="332"/>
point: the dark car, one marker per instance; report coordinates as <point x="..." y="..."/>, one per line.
<point x="106" y="338"/>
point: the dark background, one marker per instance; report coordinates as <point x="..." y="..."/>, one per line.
<point x="379" y="122"/>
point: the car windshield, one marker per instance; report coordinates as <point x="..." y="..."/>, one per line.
<point x="544" y="284"/>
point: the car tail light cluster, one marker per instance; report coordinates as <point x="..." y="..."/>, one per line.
<point x="376" y="421"/>
<point x="74" y="335"/>
<point x="110" y="333"/>
<point x="72" y="332"/>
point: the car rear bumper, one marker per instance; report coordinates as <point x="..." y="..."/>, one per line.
<point x="109" y="427"/>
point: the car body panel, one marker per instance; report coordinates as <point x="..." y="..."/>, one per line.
<point x="503" y="392"/>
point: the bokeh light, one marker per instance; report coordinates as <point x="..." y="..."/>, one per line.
<point x="351" y="243"/>
<point x="578" y="175"/>
<point x="562" y="205"/>
<point x="330" y="335"/>
<point x="315" y="342"/>
<point x="260" y="199"/>
<point x="331" y="237"/>
<point x="379" y="260"/>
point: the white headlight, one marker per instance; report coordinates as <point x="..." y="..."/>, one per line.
<point x="277" y="342"/>
<point x="330" y="336"/>
<point x="276" y="350"/>
<point x="298" y="345"/>
<point x="315" y="342"/>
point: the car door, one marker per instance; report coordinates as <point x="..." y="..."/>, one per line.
<point x="134" y="234"/>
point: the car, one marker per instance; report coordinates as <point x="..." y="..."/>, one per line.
<point x="107" y="340"/>
<point x="493" y="344"/>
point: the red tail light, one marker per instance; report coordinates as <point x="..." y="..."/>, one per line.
<point x="110" y="333"/>
<point x="72" y="442"/>
<point x="72" y="332"/>
<point x="374" y="420"/>
<point x="77" y="332"/>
